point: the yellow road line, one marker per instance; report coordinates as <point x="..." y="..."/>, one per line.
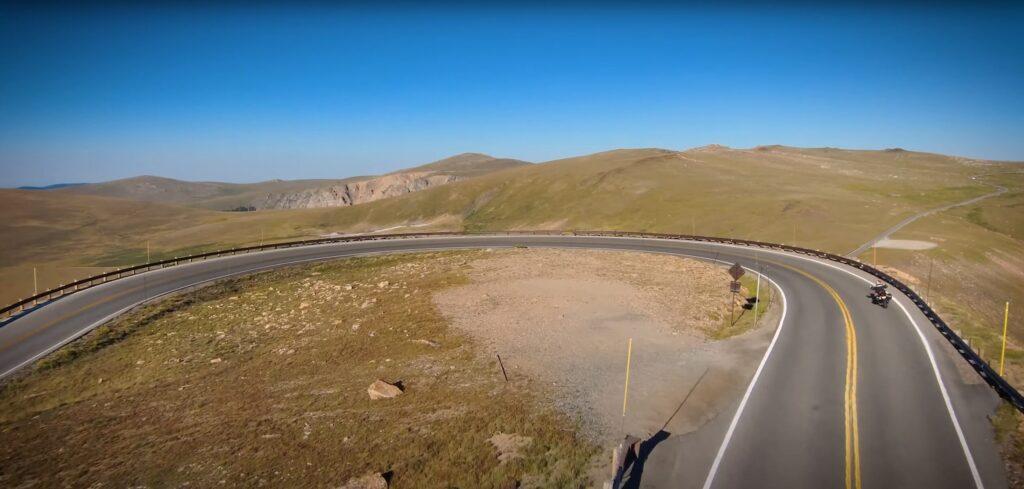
<point x="852" y="429"/>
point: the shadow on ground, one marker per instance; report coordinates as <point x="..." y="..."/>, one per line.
<point x="635" y="467"/>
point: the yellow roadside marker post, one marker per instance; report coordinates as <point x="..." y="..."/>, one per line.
<point x="625" y="393"/>
<point x="35" y="282"/>
<point x="1006" y="321"/>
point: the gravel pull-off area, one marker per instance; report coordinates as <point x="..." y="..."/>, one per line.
<point x="565" y="317"/>
<point x="905" y="244"/>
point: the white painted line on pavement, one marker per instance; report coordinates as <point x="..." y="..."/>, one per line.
<point x="945" y="397"/>
<point x="98" y="323"/>
<point x="746" y="395"/>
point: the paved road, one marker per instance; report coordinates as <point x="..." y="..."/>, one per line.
<point x="895" y="413"/>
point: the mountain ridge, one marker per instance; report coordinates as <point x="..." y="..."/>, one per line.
<point x="290" y="194"/>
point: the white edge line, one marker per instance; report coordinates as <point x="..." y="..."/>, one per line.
<point x="77" y="334"/>
<point x="746" y="395"/>
<point x="945" y="397"/>
<point x="113" y="315"/>
<point x="99" y="322"/>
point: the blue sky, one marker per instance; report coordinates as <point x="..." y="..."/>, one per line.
<point x="237" y="94"/>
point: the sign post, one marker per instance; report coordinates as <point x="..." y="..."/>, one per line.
<point x="757" y="298"/>
<point x="735" y="271"/>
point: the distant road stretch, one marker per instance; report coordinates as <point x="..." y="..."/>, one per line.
<point x="895" y="413"/>
<point x="900" y="225"/>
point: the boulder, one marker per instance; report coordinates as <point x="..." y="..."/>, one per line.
<point x="383" y="390"/>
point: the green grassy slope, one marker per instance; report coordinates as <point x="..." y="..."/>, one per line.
<point x="761" y="194"/>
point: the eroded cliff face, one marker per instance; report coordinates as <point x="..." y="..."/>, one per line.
<point x="358" y="192"/>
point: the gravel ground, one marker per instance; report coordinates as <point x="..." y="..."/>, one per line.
<point x="566" y="316"/>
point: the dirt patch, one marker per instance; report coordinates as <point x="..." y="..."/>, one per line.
<point x="566" y="317"/>
<point x="900" y="275"/>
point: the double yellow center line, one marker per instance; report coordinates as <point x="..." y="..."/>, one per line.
<point x="852" y="436"/>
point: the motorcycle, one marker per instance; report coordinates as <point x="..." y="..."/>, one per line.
<point x="880" y="297"/>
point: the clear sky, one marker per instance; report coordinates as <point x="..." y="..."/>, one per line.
<point x="245" y="94"/>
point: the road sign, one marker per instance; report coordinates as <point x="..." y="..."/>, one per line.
<point x="734" y="287"/>
<point x="736" y="271"/>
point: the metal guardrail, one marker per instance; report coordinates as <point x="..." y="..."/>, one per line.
<point x="994" y="380"/>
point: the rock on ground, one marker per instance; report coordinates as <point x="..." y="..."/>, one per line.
<point x="383" y="390"/>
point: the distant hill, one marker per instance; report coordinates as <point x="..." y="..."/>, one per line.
<point x="293" y="194"/>
<point x="369" y="189"/>
<point x="469" y="164"/>
<point x="51" y="187"/>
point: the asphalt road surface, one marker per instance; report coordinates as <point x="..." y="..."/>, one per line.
<point x="895" y="413"/>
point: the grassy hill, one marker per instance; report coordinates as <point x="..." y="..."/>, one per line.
<point x="469" y="164"/>
<point x="209" y="195"/>
<point x="822" y="198"/>
<point x="227" y="196"/>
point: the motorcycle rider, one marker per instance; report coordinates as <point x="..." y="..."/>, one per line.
<point x="879" y="295"/>
<point x="879" y="288"/>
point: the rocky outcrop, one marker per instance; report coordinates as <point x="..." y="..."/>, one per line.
<point x="357" y="192"/>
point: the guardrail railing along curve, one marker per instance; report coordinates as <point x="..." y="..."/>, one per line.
<point x="993" y="379"/>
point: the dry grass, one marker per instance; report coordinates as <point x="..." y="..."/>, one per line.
<point x="774" y="194"/>
<point x="743" y="319"/>
<point x="262" y="381"/>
